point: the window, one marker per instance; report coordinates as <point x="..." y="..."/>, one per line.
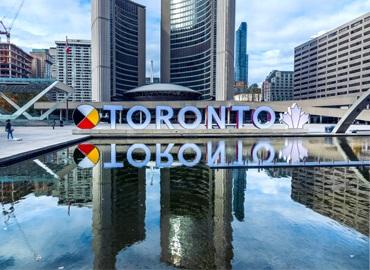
<point x="356" y="24"/>
<point x="343" y="29"/>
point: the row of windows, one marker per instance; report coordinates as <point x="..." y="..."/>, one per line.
<point x="299" y="77"/>
<point x="306" y="47"/>
<point x="312" y="58"/>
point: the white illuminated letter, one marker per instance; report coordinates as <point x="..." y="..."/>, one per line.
<point x="135" y="109"/>
<point x="239" y="154"/>
<point x="113" y="159"/>
<point x="266" y="146"/>
<point x="220" y="119"/>
<point x="240" y="114"/>
<point x="163" y="118"/>
<point x="269" y="123"/>
<point x="219" y="155"/>
<point x="181" y="117"/>
<point x="136" y="163"/>
<point x="113" y="109"/>
<point x="195" y="148"/>
<point x="166" y="154"/>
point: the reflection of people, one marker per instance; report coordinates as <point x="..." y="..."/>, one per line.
<point x="8" y="214"/>
<point x="9" y="129"/>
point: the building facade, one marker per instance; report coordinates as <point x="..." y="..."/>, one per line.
<point x="197" y="46"/>
<point x="14" y="62"/>
<point x="335" y="63"/>
<point x="149" y="80"/>
<point x="118" y="48"/>
<point x="339" y="193"/>
<point x="278" y="86"/>
<point x="53" y="55"/>
<point x="73" y="64"/>
<point x="41" y="63"/>
<point x="241" y="56"/>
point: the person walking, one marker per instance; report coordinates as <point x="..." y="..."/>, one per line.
<point x="53" y="124"/>
<point x="9" y="129"/>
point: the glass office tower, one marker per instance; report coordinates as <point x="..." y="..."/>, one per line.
<point x="197" y="45"/>
<point x="241" y="56"/>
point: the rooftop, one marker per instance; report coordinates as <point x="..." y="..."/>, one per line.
<point x="162" y="92"/>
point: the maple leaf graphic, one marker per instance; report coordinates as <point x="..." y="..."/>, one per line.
<point x="294" y="151"/>
<point x="295" y="117"/>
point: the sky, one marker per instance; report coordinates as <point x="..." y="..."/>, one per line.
<point x="275" y="27"/>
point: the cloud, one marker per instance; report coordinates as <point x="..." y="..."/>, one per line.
<point x="279" y="26"/>
<point x="41" y="22"/>
<point x="275" y="27"/>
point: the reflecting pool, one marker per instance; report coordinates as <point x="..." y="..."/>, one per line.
<point x="241" y="204"/>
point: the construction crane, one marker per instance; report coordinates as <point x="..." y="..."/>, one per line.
<point x="6" y="30"/>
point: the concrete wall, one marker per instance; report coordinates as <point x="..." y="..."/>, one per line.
<point x="100" y="50"/>
<point x="225" y="49"/>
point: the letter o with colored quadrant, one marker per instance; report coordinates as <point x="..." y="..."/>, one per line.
<point x="86" y="117"/>
<point x="86" y="155"/>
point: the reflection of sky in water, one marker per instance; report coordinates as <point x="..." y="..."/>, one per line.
<point x="60" y="240"/>
<point x="281" y="234"/>
<point x="277" y="233"/>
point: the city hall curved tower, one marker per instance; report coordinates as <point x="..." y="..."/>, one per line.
<point x="118" y="48"/>
<point x="197" y="46"/>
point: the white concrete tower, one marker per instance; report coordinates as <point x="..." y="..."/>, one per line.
<point x="100" y="50"/>
<point x="225" y="32"/>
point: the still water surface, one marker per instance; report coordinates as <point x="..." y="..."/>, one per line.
<point x="56" y="215"/>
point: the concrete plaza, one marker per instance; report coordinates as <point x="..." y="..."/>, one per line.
<point x="35" y="140"/>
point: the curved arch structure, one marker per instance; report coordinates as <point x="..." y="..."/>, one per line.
<point x="35" y="87"/>
<point x="352" y="113"/>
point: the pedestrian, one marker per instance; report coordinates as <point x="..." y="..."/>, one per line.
<point x="53" y="124"/>
<point x="9" y="129"/>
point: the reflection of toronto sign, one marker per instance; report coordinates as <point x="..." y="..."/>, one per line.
<point x="189" y="154"/>
<point x="87" y="117"/>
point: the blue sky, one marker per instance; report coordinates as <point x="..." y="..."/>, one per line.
<point x="275" y="26"/>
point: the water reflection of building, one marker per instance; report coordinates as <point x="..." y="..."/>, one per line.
<point x="239" y="186"/>
<point x="279" y="172"/>
<point x="75" y="187"/>
<point x="196" y="217"/>
<point x="118" y="212"/>
<point x="14" y="191"/>
<point x="338" y="193"/>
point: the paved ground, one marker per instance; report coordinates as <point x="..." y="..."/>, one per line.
<point x="34" y="139"/>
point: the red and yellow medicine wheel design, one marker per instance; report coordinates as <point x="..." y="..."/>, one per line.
<point x="86" y="117"/>
<point x="86" y="155"/>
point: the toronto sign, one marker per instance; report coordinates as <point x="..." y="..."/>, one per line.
<point x="88" y="117"/>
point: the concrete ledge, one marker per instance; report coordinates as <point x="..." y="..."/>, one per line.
<point x="184" y="133"/>
<point x="205" y="133"/>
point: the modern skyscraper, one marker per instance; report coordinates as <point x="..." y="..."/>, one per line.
<point x="41" y="63"/>
<point x="335" y="63"/>
<point x="278" y="86"/>
<point x="118" y="48"/>
<point x="197" y="46"/>
<point x="14" y="62"/>
<point x="73" y="63"/>
<point x="241" y="56"/>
